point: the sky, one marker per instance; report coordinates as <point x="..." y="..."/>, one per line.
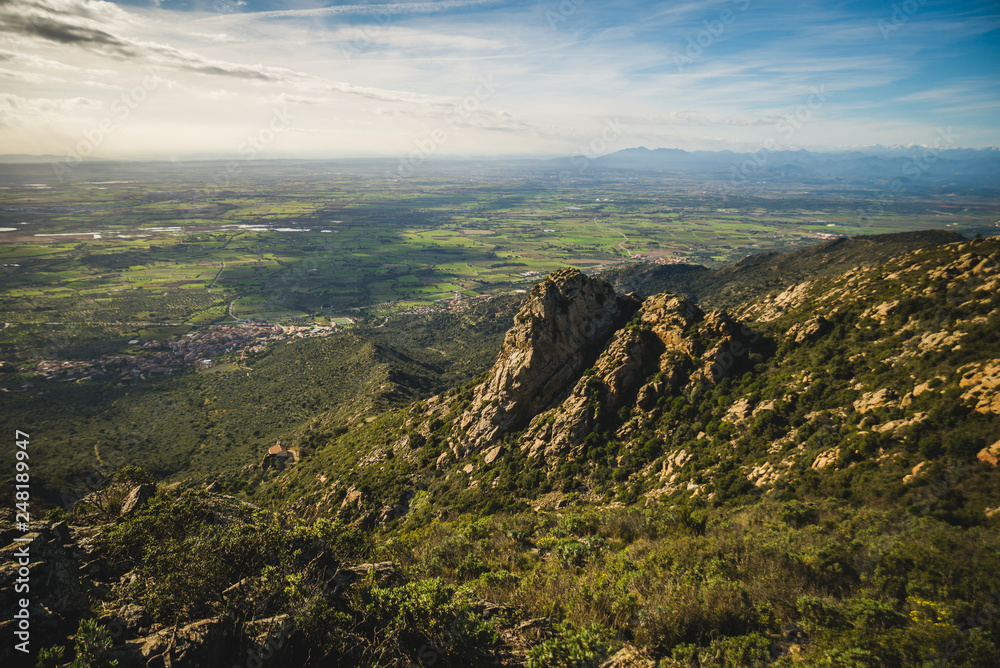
<point x="176" y="79"/>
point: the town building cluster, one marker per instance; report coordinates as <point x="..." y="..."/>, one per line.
<point x="166" y="356"/>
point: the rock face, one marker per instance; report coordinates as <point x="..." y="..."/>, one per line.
<point x="571" y="366"/>
<point x="671" y="346"/>
<point x="810" y="330"/>
<point x="58" y="593"/>
<point x="982" y="388"/>
<point x="560" y="330"/>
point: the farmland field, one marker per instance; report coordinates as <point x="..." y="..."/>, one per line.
<point x="117" y="248"/>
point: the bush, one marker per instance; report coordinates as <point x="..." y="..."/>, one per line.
<point x="583" y="648"/>
<point x="798" y="514"/>
<point x="735" y="652"/>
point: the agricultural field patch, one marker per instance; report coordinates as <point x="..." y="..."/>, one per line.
<point x="140" y="246"/>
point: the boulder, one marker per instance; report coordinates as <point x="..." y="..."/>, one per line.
<point x="913" y="474"/>
<point x="493" y="454"/>
<point x="137" y="498"/>
<point x="60" y="531"/>
<point x="990" y="455"/>
<point x="810" y="330"/>
<point x="982" y="388"/>
<point x="869" y="401"/>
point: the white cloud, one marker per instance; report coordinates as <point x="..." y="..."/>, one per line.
<point x="374" y="9"/>
<point x="413" y="65"/>
<point x="16" y="110"/>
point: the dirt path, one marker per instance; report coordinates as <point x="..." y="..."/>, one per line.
<point x="216" y="279"/>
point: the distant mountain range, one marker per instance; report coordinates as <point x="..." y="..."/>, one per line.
<point x="914" y="165"/>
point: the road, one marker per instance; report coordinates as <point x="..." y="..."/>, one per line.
<point x="216" y="279"/>
<point x="622" y="244"/>
<point x="230" y="311"/>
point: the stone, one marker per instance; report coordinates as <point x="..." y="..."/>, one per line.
<point x="982" y="388"/>
<point x="384" y="572"/>
<point x="493" y="454"/>
<point x="442" y="459"/>
<point x="658" y="352"/>
<point x="869" y="401"/>
<point x="206" y="642"/>
<point x="914" y="473"/>
<point x="810" y="330"/>
<point x="990" y="455"/>
<point x="60" y="531"/>
<point x="824" y="459"/>
<point x="137" y="498"/>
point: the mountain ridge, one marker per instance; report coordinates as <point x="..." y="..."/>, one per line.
<point x="916" y="167"/>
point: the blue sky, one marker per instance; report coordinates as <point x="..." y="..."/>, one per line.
<point x="251" y="78"/>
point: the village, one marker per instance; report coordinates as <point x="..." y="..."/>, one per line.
<point x="164" y="357"/>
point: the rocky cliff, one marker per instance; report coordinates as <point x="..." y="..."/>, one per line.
<point x="581" y="359"/>
<point x="560" y="330"/>
<point x="670" y="348"/>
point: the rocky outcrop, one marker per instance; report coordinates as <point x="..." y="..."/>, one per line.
<point x="58" y="595"/>
<point x="870" y="401"/>
<point x="556" y="335"/>
<point x="982" y="387"/>
<point x="990" y="455"/>
<point x="206" y="642"/>
<point x="825" y="459"/>
<point x="670" y="346"/>
<point x="383" y="573"/>
<point x="809" y="330"/>
<point x="915" y="473"/>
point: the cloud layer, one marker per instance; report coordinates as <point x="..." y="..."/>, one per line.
<point x="495" y="76"/>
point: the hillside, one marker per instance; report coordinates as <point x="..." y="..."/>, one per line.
<point x="203" y="421"/>
<point x="806" y="478"/>
<point x="754" y="275"/>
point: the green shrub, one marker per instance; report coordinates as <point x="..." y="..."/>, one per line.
<point x="573" y="648"/>
<point x="91" y="646"/>
<point x="735" y="652"/>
